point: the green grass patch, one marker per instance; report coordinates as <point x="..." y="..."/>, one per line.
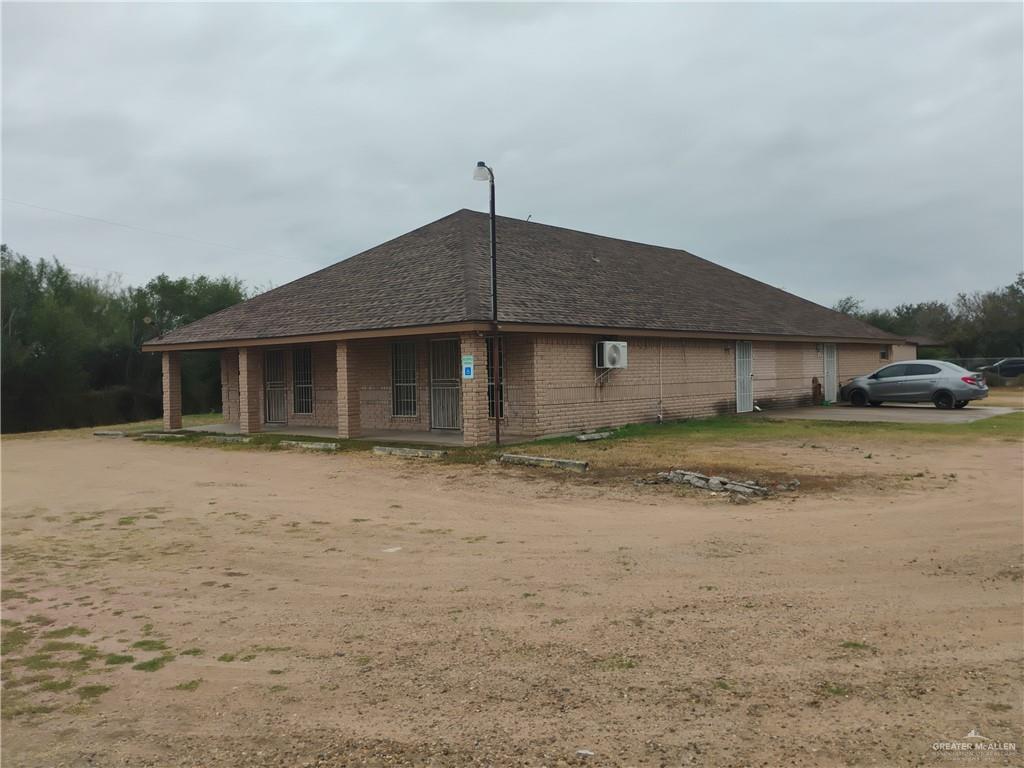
<point x="227" y="657"/>
<point x="57" y="685"/>
<point x="835" y="689"/>
<point x="114" y="659"/>
<point x="619" y="662"/>
<point x="39" y="619"/>
<point x="190" y="685"/>
<point x="127" y="520"/>
<point x="38" y="661"/>
<point x="853" y="645"/>
<point x="66" y="632"/>
<point x="192" y="652"/>
<point x="11" y="682"/>
<point x="87" y="692"/>
<point x="56" y="646"/>
<point x="14" y="639"/>
<point x="154" y="664"/>
<point x="150" y="645"/>
<point x="12" y="594"/>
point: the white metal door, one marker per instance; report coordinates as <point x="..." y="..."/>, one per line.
<point x="831" y="392"/>
<point x="744" y="376"/>
<point x="275" y="388"/>
<point x="445" y="385"/>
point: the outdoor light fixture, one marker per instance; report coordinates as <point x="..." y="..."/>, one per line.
<point x="483" y="172"/>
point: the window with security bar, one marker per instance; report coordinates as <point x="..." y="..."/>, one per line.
<point x="302" y="380"/>
<point x="403" y="378"/>
<point x="490" y="377"/>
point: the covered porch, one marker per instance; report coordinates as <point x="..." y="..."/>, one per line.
<point x="412" y="388"/>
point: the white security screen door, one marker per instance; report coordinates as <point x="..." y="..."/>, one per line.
<point x="275" y="388"/>
<point x="831" y="392"/>
<point x="445" y="385"/>
<point x="744" y="376"/>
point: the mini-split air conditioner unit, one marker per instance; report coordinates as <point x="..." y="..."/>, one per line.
<point x="610" y="354"/>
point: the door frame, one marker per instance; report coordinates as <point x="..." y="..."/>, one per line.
<point x="744" y="396"/>
<point x="830" y="389"/>
<point x="453" y="384"/>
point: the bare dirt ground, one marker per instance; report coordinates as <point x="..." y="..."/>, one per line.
<point x="290" y="609"/>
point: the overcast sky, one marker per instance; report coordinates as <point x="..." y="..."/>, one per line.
<point x="872" y="150"/>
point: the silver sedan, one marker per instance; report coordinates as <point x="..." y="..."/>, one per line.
<point x="917" y="381"/>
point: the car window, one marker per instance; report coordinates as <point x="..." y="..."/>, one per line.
<point x="891" y="371"/>
<point x="920" y="369"/>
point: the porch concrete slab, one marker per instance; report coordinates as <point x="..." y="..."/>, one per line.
<point x="900" y="414"/>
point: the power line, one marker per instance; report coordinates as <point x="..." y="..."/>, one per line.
<point x="148" y="231"/>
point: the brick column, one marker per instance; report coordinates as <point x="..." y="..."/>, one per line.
<point x="250" y="379"/>
<point x="527" y="379"/>
<point x="477" y="428"/>
<point x="348" y="392"/>
<point x="172" y="390"/>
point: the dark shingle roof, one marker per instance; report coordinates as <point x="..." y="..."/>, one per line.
<point x="440" y="273"/>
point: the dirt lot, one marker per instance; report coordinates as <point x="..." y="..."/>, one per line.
<point x="288" y="609"/>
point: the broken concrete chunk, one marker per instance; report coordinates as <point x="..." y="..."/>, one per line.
<point x="161" y="436"/>
<point x="544" y="461"/>
<point x="229" y="438"/>
<point x="593" y="436"/>
<point x="309" y="446"/>
<point x="108" y="433"/>
<point x="409" y="453"/>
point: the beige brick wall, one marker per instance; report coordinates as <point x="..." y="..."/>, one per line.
<point x="904" y="352"/>
<point x="858" y="359"/>
<point x="784" y="373"/>
<point x="675" y="378"/>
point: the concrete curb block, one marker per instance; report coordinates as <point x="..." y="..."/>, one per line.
<point x="108" y="433"/>
<point x="593" y="436"/>
<point x="544" y="461"/>
<point x="309" y="446"/>
<point x="162" y="436"/>
<point x="409" y="453"/>
<point x="228" y="438"/>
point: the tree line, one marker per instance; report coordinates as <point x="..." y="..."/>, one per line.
<point x="70" y="345"/>
<point x="975" y="325"/>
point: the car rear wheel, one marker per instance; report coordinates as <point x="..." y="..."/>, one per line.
<point x="961" y="403"/>
<point x="944" y="401"/>
<point x="858" y="398"/>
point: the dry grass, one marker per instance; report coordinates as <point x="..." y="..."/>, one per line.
<point x="1006" y="397"/>
<point x="193" y="420"/>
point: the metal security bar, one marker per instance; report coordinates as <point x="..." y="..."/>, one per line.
<point x="403" y="378"/>
<point x="490" y="377"/>
<point x="445" y="385"/>
<point x="275" y="387"/>
<point x="302" y="380"/>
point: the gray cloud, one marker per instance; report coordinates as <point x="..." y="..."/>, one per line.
<point x="830" y="149"/>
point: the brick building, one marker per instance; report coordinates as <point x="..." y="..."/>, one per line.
<point x="398" y="339"/>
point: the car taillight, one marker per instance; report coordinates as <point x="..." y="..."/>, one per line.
<point x="970" y="380"/>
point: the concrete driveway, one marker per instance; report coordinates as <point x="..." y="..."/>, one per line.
<point x="906" y="413"/>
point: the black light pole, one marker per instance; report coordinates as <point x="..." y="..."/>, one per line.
<point x="484" y="172"/>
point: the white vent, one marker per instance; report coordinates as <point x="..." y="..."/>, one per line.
<point x="610" y="354"/>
